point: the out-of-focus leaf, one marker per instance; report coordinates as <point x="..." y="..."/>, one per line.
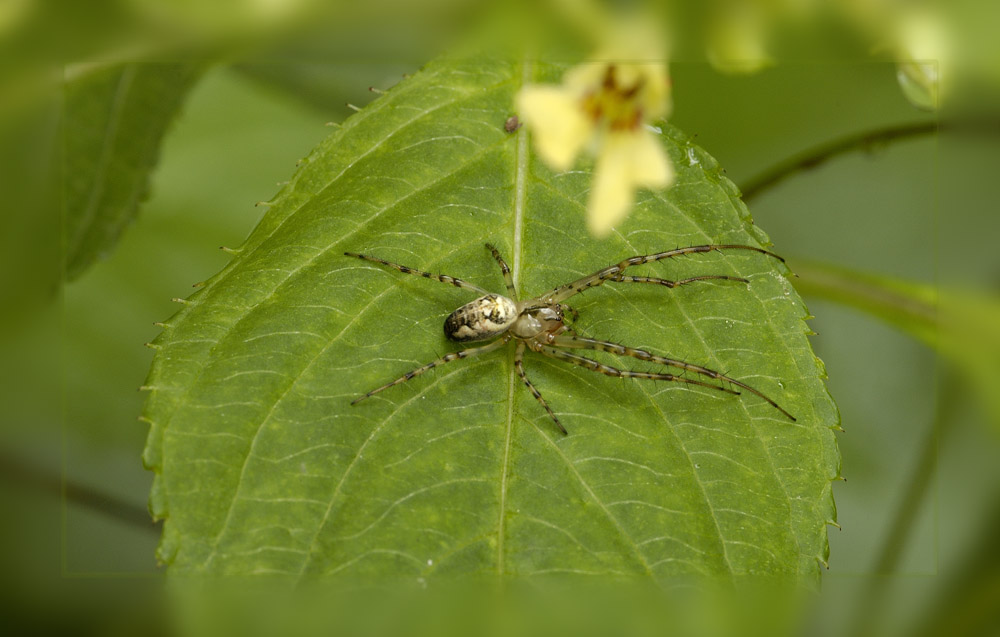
<point x="330" y="87"/>
<point x="263" y="467"/>
<point x="909" y="306"/>
<point x="115" y="119"/>
<point x="969" y="603"/>
<point x="963" y="325"/>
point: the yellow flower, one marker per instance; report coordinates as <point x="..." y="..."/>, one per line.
<point x="737" y="37"/>
<point x="604" y="108"/>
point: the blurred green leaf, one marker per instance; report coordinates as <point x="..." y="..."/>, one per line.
<point x="263" y="467"/>
<point x="962" y="325"/>
<point x="115" y="119"/>
<point x="910" y="306"/>
<point x="330" y="87"/>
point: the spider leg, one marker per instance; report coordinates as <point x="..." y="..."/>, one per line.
<point x="596" y="366"/>
<point x="611" y="272"/>
<point x="621" y="350"/>
<point x="622" y="278"/>
<point x="443" y="278"/>
<point x="447" y="358"/>
<point x="564" y="308"/>
<point x="519" y="366"/>
<point x="507" y="278"/>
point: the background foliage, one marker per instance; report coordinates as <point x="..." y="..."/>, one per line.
<point x="919" y="508"/>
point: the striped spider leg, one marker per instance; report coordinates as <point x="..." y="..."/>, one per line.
<point x="539" y="324"/>
<point x="616" y="273"/>
<point x="569" y="342"/>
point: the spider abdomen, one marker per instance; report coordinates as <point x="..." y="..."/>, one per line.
<point x="486" y="317"/>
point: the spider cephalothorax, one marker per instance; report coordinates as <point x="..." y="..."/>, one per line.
<point x="539" y="324"/>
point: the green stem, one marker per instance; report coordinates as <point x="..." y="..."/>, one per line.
<point x="22" y="473"/>
<point x="813" y="157"/>
<point x="866" y="140"/>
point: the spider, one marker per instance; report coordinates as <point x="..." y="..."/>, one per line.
<point x="539" y="324"/>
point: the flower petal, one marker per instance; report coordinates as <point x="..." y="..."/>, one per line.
<point x="649" y="164"/>
<point x="626" y="161"/>
<point x="559" y="127"/>
<point x="611" y="194"/>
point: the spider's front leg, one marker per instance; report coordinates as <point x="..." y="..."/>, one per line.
<point x="567" y="308"/>
<point x="505" y="269"/>
<point x="622" y="278"/>
<point x="615" y="272"/>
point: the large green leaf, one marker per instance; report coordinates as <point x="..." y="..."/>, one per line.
<point x="262" y="465"/>
<point x="115" y="118"/>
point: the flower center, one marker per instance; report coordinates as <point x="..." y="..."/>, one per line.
<point x="618" y="106"/>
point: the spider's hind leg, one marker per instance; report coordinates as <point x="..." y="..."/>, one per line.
<point x="443" y="278"/>
<point x="596" y="366"/>
<point x="577" y="342"/>
<point x="447" y="358"/>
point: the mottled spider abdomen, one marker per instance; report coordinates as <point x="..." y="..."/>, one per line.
<point x="486" y="317"/>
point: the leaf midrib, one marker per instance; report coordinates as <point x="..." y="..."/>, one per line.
<point x="520" y="186"/>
